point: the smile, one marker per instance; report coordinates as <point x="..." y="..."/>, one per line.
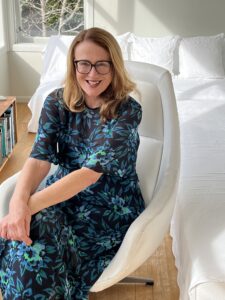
<point x="93" y="83"/>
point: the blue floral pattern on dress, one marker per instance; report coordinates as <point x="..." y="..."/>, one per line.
<point x="74" y="241"/>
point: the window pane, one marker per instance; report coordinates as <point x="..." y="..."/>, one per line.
<point x="43" y="18"/>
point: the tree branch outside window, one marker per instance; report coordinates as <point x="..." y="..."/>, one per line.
<point x="43" y="18"/>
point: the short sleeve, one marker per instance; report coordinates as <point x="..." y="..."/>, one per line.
<point x="45" y="145"/>
<point x="113" y="149"/>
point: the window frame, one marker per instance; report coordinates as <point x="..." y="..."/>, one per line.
<point x="18" y="43"/>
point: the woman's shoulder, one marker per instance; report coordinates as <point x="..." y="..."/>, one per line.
<point x="55" y="98"/>
<point x="130" y="104"/>
<point x="57" y="94"/>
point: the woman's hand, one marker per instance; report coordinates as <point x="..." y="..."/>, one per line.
<point x="16" y="225"/>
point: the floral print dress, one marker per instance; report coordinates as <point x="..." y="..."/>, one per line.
<point x="74" y="241"/>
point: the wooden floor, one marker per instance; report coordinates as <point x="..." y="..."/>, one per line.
<point x="160" y="266"/>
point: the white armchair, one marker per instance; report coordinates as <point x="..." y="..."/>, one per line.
<point x="158" y="169"/>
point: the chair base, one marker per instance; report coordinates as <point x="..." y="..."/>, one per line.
<point x="138" y="280"/>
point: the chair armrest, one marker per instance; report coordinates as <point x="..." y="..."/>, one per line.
<point x="6" y="191"/>
<point x="8" y="186"/>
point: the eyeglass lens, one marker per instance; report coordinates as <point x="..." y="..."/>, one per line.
<point x="101" y="67"/>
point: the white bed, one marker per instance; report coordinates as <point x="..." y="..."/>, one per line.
<point x="198" y="223"/>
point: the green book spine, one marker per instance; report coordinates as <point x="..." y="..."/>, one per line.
<point x="1" y="155"/>
<point x="3" y="150"/>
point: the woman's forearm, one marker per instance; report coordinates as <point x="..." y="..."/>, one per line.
<point x="30" y="177"/>
<point x="63" y="189"/>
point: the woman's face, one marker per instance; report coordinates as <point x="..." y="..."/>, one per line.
<point x="94" y="83"/>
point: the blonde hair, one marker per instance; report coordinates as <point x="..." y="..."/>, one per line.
<point x="121" y="84"/>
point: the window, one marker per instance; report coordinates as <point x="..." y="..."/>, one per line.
<point x="38" y="19"/>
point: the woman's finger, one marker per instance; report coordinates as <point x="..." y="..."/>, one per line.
<point x="19" y="235"/>
<point x="3" y="233"/>
<point x="27" y="240"/>
<point x="22" y="233"/>
<point x="27" y="225"/>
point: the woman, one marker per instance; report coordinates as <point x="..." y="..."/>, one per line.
<point x="56" y="242"/>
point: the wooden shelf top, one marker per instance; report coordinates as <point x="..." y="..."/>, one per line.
<point x="4" y="104"/>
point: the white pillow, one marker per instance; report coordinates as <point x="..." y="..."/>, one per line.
<point x="158" y="51"/>
<point x="123" y="41"/>
<point x="54" y="58"/>
<point x="201" y="56"/>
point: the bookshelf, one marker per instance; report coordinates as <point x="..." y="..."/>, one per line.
<point x="5" y="105"/>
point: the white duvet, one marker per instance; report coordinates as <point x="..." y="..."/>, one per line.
<point x="198" y="224"/>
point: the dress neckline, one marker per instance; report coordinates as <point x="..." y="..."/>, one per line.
<point x="91" y="108"/>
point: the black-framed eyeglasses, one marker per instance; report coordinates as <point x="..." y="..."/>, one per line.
<point x="102" y="67"/>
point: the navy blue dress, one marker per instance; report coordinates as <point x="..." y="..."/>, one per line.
<point x="74" y="241"/>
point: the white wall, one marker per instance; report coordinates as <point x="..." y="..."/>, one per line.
<point x="25" y="69"/>
<point x="4" y="73"/>
<point x="161" y="17"/>
<point x="143" y="17"/>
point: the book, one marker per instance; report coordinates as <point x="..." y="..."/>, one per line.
<point x="1" y="154"/>
<point x="10" y="128"/>
<point x="3" y="139"/>
<point x="5" y="123"/>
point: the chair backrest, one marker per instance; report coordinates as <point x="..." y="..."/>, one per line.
<point x="158" y="125"/>
<point x="151" y="138"/>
